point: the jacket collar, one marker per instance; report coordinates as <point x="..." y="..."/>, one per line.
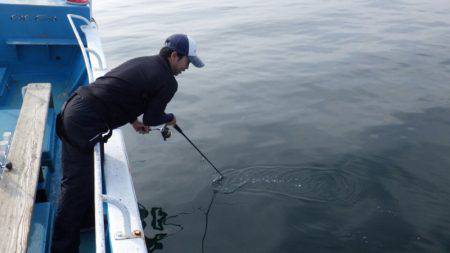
<point x="166" y="65"/>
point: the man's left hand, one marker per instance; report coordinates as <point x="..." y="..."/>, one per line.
<point x="140" y="127"/>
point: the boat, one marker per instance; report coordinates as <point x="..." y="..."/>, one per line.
<point x="48" y="48"/>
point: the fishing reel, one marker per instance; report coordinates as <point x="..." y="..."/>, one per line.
<point x="165" y="132"/>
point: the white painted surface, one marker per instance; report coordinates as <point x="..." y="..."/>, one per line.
<point x="100" y="245"/>
<point x="94" y="43"/>
<point x="119" y="185"/>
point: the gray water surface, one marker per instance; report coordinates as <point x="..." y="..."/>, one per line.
<point x="329" y="119"/>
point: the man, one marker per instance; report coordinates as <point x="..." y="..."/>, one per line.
<point x="143" y="85"/>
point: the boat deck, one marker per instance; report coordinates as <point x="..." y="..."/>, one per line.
<point x="37" y="45"/>
<point x="48" y="185"/>
<point x="19" y="183"/>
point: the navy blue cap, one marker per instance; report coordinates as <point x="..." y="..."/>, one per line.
<point x="184" y="45"/>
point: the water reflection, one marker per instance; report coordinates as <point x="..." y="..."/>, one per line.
<point x="159" y="220"/>
<point x="206" y="219"/>
<point x="154" y="243"/>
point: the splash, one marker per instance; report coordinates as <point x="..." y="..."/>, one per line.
<point x="309" y="183"/>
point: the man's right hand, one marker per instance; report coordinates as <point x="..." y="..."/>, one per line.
<point x="140" y="127"/>
<point x="173" y="122"/>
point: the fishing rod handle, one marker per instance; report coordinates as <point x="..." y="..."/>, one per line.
<point x="177" y="128"/>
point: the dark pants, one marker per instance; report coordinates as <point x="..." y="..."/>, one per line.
<point x="76" y="200"/>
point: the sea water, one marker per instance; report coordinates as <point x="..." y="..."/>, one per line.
<point x="329" y="120"/>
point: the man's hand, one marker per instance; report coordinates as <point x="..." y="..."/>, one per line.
<point x="140" y="127"/>
<point x="173" y="122"/>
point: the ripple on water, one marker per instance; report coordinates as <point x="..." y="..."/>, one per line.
<point x="310" y="183"/>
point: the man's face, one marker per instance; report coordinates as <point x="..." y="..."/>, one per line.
<point x="177" y="64"/>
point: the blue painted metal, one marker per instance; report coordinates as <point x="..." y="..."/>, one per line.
<point x="3" y="80"/>
<point x="87" y="241"/>
<point x="37" y="45"/>
<point x="48" y="154"/>
<point x="40" y="41"/>
<point x="44" y="185"/>
<point x="39" y="234"/>
<point x="25" y="26"/>
<point x="8" y="119"/>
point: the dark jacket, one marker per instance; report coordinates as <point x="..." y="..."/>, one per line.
<point x="143" y="85"/>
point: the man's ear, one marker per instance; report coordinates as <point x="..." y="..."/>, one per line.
<point x="174" y="56"/>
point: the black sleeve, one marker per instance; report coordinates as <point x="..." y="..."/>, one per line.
<point x="155" y="115"/>
<point x="133" y="120"/>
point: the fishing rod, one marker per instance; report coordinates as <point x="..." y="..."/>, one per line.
<point x="181" y="132"/>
